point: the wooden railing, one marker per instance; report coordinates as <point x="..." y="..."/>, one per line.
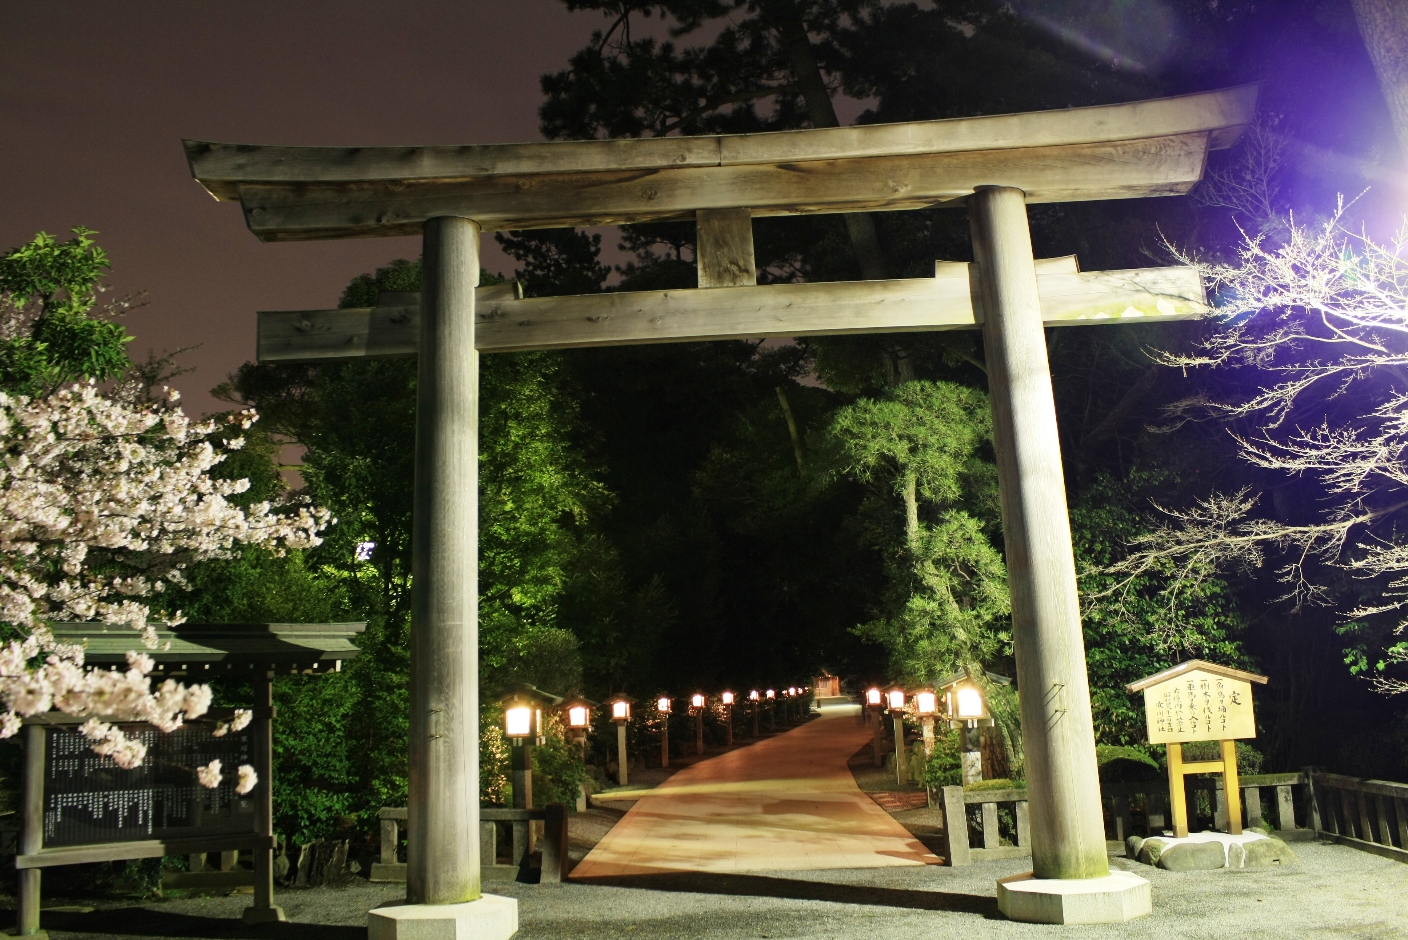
<point x="1280" y="801"/>
<point x="955" y="802"/>
<point x="1139" y="809"/>
<point x="1371" y="815"/>
<point x="510" y="863"/>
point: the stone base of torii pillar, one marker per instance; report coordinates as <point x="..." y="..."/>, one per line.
<point x="1071" y="880"/>
<point x="490" y="917"/>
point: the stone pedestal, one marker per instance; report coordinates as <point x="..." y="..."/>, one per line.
<point x="489" y="918"/>
<point x="1117" y="897"/>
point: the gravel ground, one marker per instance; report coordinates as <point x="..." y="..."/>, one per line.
<point x="1335" y="892"/>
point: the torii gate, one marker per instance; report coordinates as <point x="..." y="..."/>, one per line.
<point x="996" y="165"/>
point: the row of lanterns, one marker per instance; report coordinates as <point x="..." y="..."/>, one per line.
<point x="959" y="702"/>
<point x="523" y="723"/>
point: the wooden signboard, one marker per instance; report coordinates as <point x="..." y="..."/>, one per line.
<point x="1200" y="701"/>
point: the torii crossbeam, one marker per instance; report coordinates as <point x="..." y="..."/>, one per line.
<point x="994" y="165"/>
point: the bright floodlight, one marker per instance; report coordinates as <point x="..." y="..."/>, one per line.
<point x="696" y="700"/>
<point x="518" y="722"/>
<point x="728" y="698"/>
<point x="970" y="702"/>
<point x="663" y="705"/>
<point x="872" y="696"/>
<point x="896" y="697"/>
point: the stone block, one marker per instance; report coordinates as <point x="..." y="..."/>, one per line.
<point x="490" y="918"/>
<point x="1208" y="851"/>
<point x="1132" y="845"/>
<point x="1116" y="898"/>
<point x="1193" y="856"/>
<point x="1264" y="853"/>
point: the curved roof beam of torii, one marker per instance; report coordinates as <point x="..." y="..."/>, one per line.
<point x="1143" y="148"/>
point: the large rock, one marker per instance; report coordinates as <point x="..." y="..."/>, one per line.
<point x="1193" y="856"/>
<point x="1264" y="853"/>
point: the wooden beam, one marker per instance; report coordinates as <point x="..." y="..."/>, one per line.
<point x="147" y="848"/>
<point x="894" y="306"/>
<point x="723" y="248"/>
<point x="222" y="167"/>
<point x="1122" y="169"/>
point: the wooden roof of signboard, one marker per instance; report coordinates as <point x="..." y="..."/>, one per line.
<point x="201" y="648"/>
<point x="1193" y="665"/>
<point x="1142" y="148"/>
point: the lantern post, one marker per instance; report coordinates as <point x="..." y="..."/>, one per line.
<point x="578" y="713"/>
<point x="621" y="716"/>
<point x="926" y="706"/>
<point x="662" y="705"/>
<point x="754" y="702"/>
<point x="727" y="699"/>
<point x="874" y="703"/>
<point x="772" y="710"/>
<point x="894" y="701"/>
<point x="696" y="708"/>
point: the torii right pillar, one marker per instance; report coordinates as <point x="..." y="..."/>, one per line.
<point x="1071" y="881"/>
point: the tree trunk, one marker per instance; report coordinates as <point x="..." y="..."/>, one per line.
<point x="1384" y="26"/>
<point x="793" y="432"/>
<point x="911" y="509"/>
<point x="786" y="21"/>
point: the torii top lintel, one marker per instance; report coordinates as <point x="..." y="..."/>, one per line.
<point x="1142" y="148"/>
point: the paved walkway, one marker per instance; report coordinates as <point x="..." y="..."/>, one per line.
<point x="785" y="803"/>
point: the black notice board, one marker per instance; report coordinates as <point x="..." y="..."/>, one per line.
<point x="88" y="799"/>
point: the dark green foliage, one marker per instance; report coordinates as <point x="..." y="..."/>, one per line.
<point x="945" y="764"/>
<point x="49" y="338"/>
<point x="1134" y="630"/>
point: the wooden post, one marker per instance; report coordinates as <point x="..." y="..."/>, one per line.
<point x="1177" y="792"/>
<point x="36" y="740"/>
<point x="521" y="771"/>
<point x="665" y="742"/>
<point x="443" y="810"/>
<point x="728" y="726"/>
<point x="723" y="248"/>
<point x="956" y="827"/>
<point x="1232" y="787"/>
<point x="556" y="864"/>
<point x="972" y="755"/>
<point x="901" y="770"/>
<point x="755" y="720"/>
<point x="623" y="774"/>
<point x="877" y="736"/>
<point x="927" y="726"/>
<point x="1063" y="783"/>
<point x="263" y="910"/>
<point x="699" y="731"/>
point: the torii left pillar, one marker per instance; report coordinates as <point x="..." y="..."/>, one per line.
<point x="443" y="896"/>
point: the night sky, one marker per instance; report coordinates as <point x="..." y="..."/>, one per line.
<point x="95" y="98"/>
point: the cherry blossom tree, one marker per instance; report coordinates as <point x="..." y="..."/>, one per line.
<point x="104" y="500"/>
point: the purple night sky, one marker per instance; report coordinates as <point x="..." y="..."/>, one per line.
<point x="95" y="98"/>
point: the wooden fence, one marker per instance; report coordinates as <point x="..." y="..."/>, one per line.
<point x="504" y="859"/>
<point x="1371" y="815"/>
<point x="998" y="827"/>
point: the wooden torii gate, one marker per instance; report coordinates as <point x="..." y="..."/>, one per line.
<point x="995" y="165"/>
